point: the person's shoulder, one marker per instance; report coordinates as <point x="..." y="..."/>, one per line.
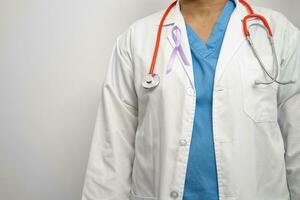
<point x="285" y="33"/>
<point x="147" y="21"/>
<point x="141" y="26"/>
<point x="138" y="29"/>
<point x="277" y="20"/>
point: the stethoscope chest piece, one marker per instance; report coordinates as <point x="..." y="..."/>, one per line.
<point x="151" y="81"/>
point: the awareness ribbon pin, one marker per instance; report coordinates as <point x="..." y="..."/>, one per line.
<point x="176" y="35"/>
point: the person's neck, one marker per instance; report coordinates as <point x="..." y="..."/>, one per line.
<point x="202" y="15"/>
<point x="201" y="8"/>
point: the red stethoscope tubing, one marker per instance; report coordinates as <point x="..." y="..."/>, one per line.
<point x="251" y="15"/>
<point x="157" y="43"/>
<point x="256" y="16"/>
<point x="247" y="5"/>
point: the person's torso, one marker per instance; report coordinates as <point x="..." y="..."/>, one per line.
<point x="248" y="144"/>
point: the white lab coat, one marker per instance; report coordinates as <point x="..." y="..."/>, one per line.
<point x="142" y="137"/>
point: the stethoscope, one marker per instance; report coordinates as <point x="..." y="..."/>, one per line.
<point x="152" y="80"/>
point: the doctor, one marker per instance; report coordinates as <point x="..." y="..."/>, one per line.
<point x="214" y="119"/>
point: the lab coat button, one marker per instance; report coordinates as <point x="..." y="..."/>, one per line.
<point x="174" y="194"/>
<point x="182" y="142"/>
<point x="191" y="91"/>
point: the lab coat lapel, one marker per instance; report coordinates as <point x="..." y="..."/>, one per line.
<point x="233" y="39"/>
<point x="176" y="19"/>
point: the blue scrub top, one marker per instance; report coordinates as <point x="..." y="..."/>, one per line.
<point x="201" y="177"/>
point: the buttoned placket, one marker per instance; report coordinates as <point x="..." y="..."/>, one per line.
<point x="218" y="93"/>
<point x="184" y="145"/>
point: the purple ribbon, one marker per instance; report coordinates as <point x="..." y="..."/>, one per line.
<point x="176" y="35"/>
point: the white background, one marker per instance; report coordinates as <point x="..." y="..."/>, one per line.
<point x="53" y="58"/>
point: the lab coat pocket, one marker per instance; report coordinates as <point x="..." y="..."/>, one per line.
<point x="134" y="196"/>
<point x="259" y="100"/>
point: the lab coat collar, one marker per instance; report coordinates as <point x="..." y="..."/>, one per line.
<point x="233" y="38"/>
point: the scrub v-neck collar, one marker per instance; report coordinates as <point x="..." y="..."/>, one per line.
<point x="199" y="45"/>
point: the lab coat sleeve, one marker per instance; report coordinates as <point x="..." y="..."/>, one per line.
<point x="289" y="112"/>
<point x="108" y="175"/>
